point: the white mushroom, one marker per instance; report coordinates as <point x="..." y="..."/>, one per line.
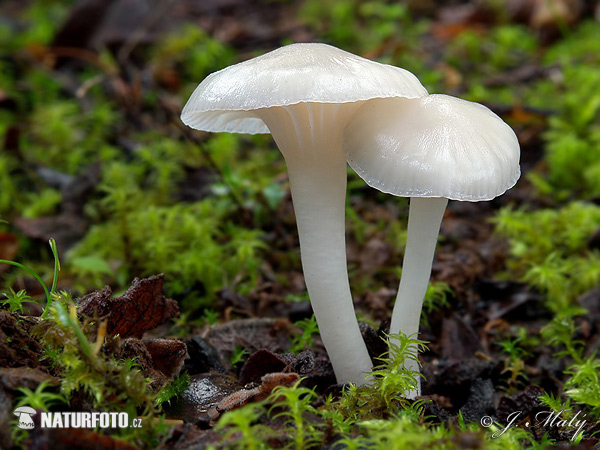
<point x="305" y="95"/>
<point x="431" y="149"/>
<point x="25" y="413"/>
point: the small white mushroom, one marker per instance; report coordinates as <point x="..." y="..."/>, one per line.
<point x="305" y="95"/>
<point x="431" y="149"/>
<point x="25" y="413"/>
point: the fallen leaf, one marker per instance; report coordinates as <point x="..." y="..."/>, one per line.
<point x="17" y="348"/>
<point x="204" y="358"/>
<point x="259" y="364"/>
<point x="167" y="355"/>
<point x="244" y="396"/>
<point x="142" y="308"/>
<point x="14" y="378"/>
<point x="249" y="334"/>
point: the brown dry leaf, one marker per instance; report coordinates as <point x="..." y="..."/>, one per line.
<point x="17" y="348"/>
<point x="249" y="334"/>
<point x="259" y="364"/>
<point x="142" y="308"/>
<point x="244" y="396"/>
<point x="14" y="378"/>
<point x="168" y="355"/>
<point x="314" y="368"/>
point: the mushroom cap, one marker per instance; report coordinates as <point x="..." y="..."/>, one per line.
<point x="433" y="146"/>
<point x="296" y="73"/>
<point x="24" y="410"/>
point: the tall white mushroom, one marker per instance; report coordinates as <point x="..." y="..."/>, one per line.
<point x="305" y="95"/>
<point x="430" y="149"/>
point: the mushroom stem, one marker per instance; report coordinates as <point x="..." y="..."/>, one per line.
<point x="318" y="188"/>
<point x="424" y="220"/>
<point x="319" y="200"/>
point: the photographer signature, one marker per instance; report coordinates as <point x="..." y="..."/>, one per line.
<point x="543" y="418"/>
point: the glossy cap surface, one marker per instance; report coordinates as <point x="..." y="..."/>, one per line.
<point x="433" y="146"/>
<point x="296" y="73"/>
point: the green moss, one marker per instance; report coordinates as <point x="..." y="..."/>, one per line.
<point x="549" y="251"/>
<point x="68" y="138"/>
<point x="241" y="430"/>
<point x="581" y="46"/>
<point x="583" y="384"/>
<point x="372" y="416"/>
<point x="93" y="376"/>
<point x="139" y="227"/>
<point x="491" y="50"/>
<point x="173" y="389"/>
<point x="304" y="340"/>
<point x="358" y="26"/>
<point x="14" y="300"/>
<point x="192" y="54"/>
<point x="44" y="203"/>
<point x="292" y="405"/>
<point x="184" y="241"/>
<point x="573" y="150"/>
<point x="516" y="355"/>
<point x="37" y="26"/>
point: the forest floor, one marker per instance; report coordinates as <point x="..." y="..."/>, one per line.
<point x="196" y="236"/>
